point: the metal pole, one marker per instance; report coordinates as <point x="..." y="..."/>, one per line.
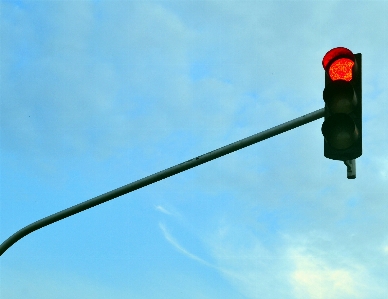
<point x="292" y="124"/>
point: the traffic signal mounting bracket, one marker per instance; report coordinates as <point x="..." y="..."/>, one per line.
<point x="351" y="168"/>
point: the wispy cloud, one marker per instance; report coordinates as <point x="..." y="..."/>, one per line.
<point x="163" y="210"/>
<point x="255" y="270"/>
<point x="175" y="243"/>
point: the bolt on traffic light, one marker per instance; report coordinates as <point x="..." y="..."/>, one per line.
<point x="342" y="128"/>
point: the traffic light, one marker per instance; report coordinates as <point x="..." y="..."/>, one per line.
<point x="342" y="128"/>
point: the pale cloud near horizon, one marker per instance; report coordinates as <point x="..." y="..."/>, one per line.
<point x="314" y="278"/>
<point x="297" y="266"/>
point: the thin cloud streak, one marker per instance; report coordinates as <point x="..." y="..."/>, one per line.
<point x="163" y="210"/>
<point x="174" y="243"/>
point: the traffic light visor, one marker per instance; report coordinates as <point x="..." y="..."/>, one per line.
<point x="338" y="63"/>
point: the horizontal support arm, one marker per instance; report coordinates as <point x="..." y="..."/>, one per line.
<point x="161" y="175"/>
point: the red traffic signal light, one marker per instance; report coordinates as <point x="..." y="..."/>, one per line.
<point x="342" y="128"/>
<point x="338" y="64"/>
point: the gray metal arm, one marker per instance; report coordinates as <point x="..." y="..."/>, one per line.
<point x="161" y="175"/>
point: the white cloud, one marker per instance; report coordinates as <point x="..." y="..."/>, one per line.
<point x="313" y="278"/>
<point x="312" y="267"/>
<point x="324" y="267"/>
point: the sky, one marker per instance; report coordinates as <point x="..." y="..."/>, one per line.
<point x="98" y="94"/>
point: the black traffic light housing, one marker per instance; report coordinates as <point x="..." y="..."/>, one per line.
<point x="342" y="127"/>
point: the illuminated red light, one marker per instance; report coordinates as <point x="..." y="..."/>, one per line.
<point x="338" y="63"/>
<point x="341" y="69"/>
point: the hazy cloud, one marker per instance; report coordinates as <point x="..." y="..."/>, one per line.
<point x="313" y="278"/>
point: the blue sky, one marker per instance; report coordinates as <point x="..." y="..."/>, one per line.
<point x="97" y="94"/>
